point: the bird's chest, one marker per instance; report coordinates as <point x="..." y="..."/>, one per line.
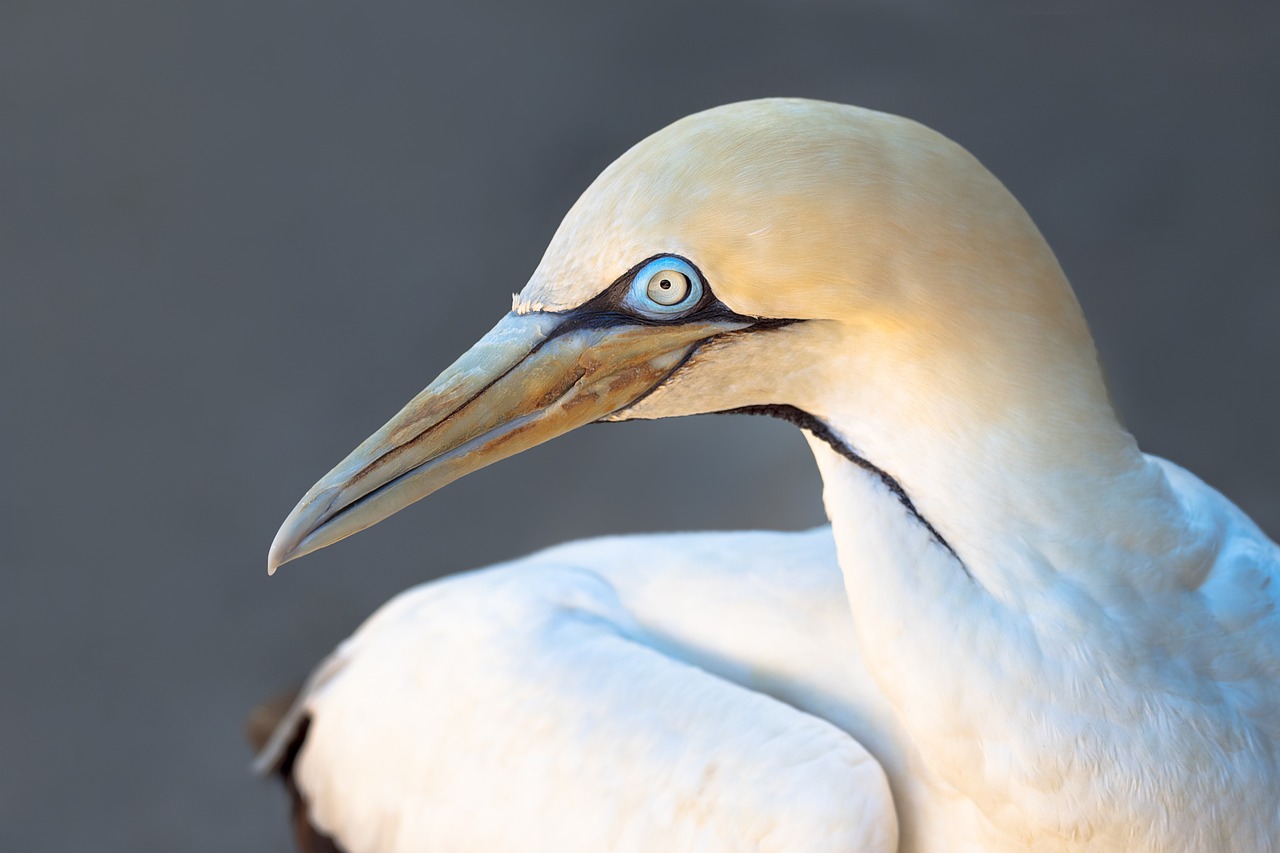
<point x="1099" y="739"/>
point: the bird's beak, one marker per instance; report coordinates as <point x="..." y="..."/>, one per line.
<point x="531" y="378"/>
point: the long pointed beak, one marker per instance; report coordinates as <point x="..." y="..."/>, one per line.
<point x="522" y="384"/>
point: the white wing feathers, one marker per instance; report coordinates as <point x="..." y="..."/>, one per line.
<point x="525" y="707"/>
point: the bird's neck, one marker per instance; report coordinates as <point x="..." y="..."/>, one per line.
<point x="988" y="534"/>
<point x="1005" y="446"/>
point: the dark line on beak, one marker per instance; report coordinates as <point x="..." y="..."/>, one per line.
<point x="573" y="321"/>
<point x="761" y="325"/>
<point x="426" y="431"/>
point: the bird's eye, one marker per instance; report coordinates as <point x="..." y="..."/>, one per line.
<point x="665" y="286"/>
<point x="668" y="287"/>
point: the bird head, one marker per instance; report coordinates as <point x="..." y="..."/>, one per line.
<point x="848" y="264"/>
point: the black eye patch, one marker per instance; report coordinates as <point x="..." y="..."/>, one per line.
<point x="609" y="307"/>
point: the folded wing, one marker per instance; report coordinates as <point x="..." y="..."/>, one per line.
<point x="536" y="706"/>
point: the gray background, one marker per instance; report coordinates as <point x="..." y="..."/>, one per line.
<point x="235" y="237"/>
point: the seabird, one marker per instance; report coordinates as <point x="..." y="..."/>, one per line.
<point x="1019" y="632"/>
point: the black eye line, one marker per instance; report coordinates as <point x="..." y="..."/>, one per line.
<point x="607" y="308"/>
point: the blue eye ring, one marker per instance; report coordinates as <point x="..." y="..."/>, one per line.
<point x="650" y="289"/>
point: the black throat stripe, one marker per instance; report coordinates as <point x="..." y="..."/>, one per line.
<point x="806" y="421"/>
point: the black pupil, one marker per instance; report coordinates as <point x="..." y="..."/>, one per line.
<point x="665" y="284"/>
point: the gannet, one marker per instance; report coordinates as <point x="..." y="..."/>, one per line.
<point x="1018" y="633"/>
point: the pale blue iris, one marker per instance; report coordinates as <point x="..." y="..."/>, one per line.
<point x="660" y="277"/>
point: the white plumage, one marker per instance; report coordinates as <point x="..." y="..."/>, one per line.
<point x="567" y="701"/>
<point x="1020" y="633"/>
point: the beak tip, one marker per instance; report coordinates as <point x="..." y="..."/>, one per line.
<point x="275" y="559"/>
<point x="309" y="515"/>
<point x="284" y="547"/>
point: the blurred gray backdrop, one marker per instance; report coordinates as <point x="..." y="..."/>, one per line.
<point x="236" y="236"/>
